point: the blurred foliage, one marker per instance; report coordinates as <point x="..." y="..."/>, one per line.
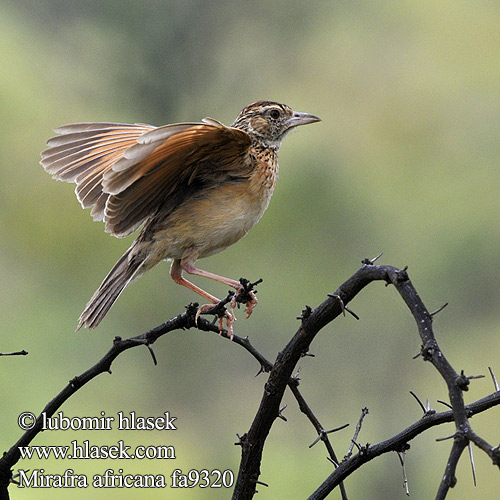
<point x="404" y="162"/>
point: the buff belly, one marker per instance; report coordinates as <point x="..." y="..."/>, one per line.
<point x="204" y="226"/>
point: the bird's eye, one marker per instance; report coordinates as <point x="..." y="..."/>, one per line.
<point x="274" y="114"/>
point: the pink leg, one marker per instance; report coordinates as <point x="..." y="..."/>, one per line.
<point x="190" y="269"/>
<point x="176" y="275"/>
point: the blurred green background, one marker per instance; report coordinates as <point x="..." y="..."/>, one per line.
<point x="405" y="162"/>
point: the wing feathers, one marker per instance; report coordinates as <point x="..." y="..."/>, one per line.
<point x="127" y="171"/>
<point x="148" y="142"/>
<point x="84" y="152"/>
<point x="86" y="126"/>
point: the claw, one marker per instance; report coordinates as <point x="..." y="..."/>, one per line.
<point x="230" y="318"/>
<point x="250" y="305"/>
<point x="202" y="309"/>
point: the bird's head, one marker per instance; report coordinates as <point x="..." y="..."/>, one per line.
<point x="268" y="122"/>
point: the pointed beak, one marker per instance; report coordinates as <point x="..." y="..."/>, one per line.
<point x="302" y="119"/>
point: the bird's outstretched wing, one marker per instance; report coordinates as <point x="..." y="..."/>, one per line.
<point x="127" y="171"/>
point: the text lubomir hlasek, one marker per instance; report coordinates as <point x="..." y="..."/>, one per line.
<point x="125" y="422"/>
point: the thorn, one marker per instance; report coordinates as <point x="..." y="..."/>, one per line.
<point x="150" y="348"/>
<point x="370" y="262"/>
<point x="418" y="401"/>
<point x="355" y="444"/>
<point x="256" y="481"/>
<point x="343" y="307"/>
<point x="495" y="382"/>
<point x="353" y="314"/>
<point x="471" y="457"/>
<point x="451" y="436"/>
<point x="341" y="302"/>
<point x="323" y="434"/>
<point x="445" y="403"/>
<point x="438" y="310"/>
<point x="280" y="415"/>
<point x="261" y="370"/>
<point x="317" y="439"/>
<point x="14" y="476"/>
<point x="330" y="459"/>
<point x="296" y="375"/>
<point x="402" y="459"/>
<point x="309" y="354"/>
<point x="427" y="408"/>
<point x="339" y="428"/>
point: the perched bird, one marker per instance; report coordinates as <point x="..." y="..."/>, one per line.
<point x="194" y="188"/>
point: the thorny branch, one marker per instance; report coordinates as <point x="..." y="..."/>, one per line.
<point x="312" y="322"/>
<point x="280" y="377"/>
<point x="182" y="321"/>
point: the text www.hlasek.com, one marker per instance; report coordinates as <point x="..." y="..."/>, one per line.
<point x="87" y="451"/>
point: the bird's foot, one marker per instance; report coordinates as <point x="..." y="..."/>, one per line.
<point x="218" y="309"/>
<point x="230" y="319"/>
<point x="249" y="305"/>
<point x="245" y="294"/>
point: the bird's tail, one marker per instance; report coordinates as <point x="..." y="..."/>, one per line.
<point x="124" y="271"/>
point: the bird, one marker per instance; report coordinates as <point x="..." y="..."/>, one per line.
<point x="193" y="189"/>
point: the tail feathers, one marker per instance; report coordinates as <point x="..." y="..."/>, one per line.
<point x="124" y="271"/>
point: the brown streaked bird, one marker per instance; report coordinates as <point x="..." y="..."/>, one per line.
<point x="194" y="188"/>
